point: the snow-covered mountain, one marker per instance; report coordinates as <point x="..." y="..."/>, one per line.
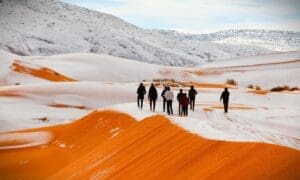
<point x="34" y="27"/>
<point x="270" y="39"/>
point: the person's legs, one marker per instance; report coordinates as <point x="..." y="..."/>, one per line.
<point x="168" y="107"/>
<point x="150" y="101"/>
<point x="193" y="104"/>
<point x="154" y="104"/>
<point x="164" y="104"/>
<point x="138" y="101"/>
<point x="186" y="111"/>
<point x="179" y="109"/>
<point x="225" y="107"/>
<point x="171" y="108"/>
<point x="142" y="99"/>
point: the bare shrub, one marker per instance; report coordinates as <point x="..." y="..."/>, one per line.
<point x="168" y="82"/>
<point x="294" y="89"/>
<point x="231" y="82"/>
<point x="280" y="88"/>
<point x="257" y="87"/>
<point x="44" y="119"/>
<point x="250" y="86"/>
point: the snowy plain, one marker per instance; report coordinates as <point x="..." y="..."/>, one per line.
<point x="106" y="82"/>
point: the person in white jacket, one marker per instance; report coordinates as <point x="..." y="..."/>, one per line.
<point x="169" y="95"/>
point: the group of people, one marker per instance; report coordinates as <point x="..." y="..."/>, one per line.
<point x="152" y="96"/>
<point x="184" y="101"/>
<point x="167" y="95"/>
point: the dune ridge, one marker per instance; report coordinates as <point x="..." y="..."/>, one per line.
<point x="108" y="144"/>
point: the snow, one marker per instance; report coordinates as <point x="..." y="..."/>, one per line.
<point x="274" y="118"/>
<point x="280" y="67"/>
<point x="274" y="40"/>
<point x="263" y="59"/>
<point x="98" y="67"/>
<point x="22" y="114"/>
<point x="52" y="27"/>
<point x="283" y="41"/>
<point x="271" y="118"/>
<point x="24" y="140"/>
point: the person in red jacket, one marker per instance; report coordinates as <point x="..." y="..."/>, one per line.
<point x="184" y="101"/>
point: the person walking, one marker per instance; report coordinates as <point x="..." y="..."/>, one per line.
<point x="152" y="96"/>
<point x="179" y="95"/>
<point x="169" y="95"/>
<point x="225" y="97"/>
<point x="141" y="91"/>
<point x="192" y="97"/>
<point x="184" y="100"/>
<point x="163" y="96"/>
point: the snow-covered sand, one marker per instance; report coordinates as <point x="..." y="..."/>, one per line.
<point x="110" y="83"/>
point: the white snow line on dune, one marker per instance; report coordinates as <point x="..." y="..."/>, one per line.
<point x="24" y="139"/>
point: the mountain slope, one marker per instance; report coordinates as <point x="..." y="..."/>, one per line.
<point x="33" y="27"/>
<point x="269" y="39"/>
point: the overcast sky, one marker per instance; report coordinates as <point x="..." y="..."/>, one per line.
<point x="202" y="16"/>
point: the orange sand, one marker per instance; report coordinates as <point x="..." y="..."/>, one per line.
<point x="210" y="107"/>
<point x="80" y="137"/>
<point x="258" y="92"/>
<point x="241" y="69"/>
<point x="264" y="64"/>
<point x="151" y="149"/>
<point x="233" y="107"/>
<point x="205" y="72"/>
<point x="44" y="73"/>
<point x="10" y="94"/>
<point x="67" y="106"/>
<point x="210" y="85"/>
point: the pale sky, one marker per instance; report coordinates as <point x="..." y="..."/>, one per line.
<point x="202" y="16"/>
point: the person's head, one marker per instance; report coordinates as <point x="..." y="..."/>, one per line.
<point x="141" y="84"/>
<point x="226" y="89"/>
<point x="152" y="84"/>
<point x="180" y="90"/>
<point x="192" y="87"/>
<point x="169" y="88"/>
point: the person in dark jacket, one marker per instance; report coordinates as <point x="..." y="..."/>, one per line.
<point x="225" y="97"/>
<point x="192" y="97"/>
<point x="164" y="99"/>
<point x="184" y="101"/>
<point x="152" y="96"/>
<point x="179" y="95"/>
<point x="141" y="91"/>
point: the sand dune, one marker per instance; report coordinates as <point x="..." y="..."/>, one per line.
<point x="45" y="91"/>
<point x="69" y="142"/>
<point x="40" y="72"/>
<point x="113" y="145"/>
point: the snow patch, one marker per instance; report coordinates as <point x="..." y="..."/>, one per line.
<point x="24" y="139"/>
